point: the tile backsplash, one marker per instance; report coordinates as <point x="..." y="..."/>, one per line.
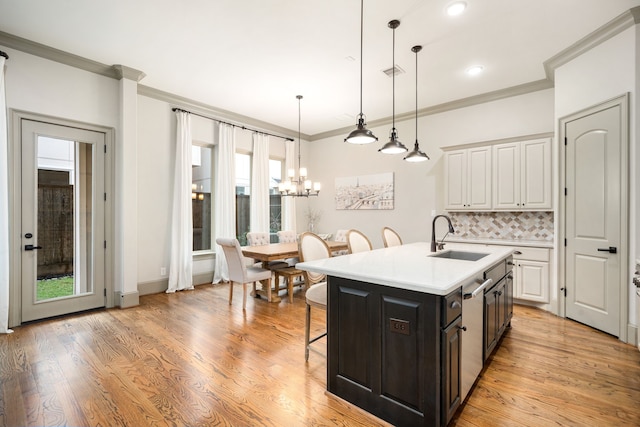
<point x="503" y="225"/>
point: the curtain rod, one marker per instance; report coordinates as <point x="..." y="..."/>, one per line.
<point x="4" y="54"/>
<point x="231" y="124"/>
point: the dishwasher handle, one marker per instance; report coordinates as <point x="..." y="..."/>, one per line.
<point x="479" y="290"/>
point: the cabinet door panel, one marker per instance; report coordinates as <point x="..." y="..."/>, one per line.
<point x="506" y="178"/>
<point x="451" y="359"/>
<point x="455" y="179"/>
<point x="535" y="174"/>
<point x="402" y="343"/>
<point x="479" y="179"/>
<point x="532" y="280"/>
<point x="355" y="336"/>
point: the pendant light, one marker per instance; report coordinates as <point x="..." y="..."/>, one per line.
<point x="361" y="135"/>
<point x="298" y="186"/>
<point x="393" y="146"/>
<point x="416" y="155"/>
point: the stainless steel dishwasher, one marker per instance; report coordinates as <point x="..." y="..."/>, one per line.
<point x="472" y="338"/>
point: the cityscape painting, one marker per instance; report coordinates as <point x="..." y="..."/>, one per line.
<point x="365" y="192"/>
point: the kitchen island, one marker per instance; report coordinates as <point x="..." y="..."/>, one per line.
<point x="394" y="321"/>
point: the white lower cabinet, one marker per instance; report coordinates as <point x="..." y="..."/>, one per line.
<point x="531" y="274"/>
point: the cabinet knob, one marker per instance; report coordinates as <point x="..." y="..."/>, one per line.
<point x="463" y="328"/>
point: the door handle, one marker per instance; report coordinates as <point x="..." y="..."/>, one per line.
<point x="610" y="249"/>
<point x="31" y="247"/>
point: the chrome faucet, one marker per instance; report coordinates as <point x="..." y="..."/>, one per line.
<point x="434" y="247"/>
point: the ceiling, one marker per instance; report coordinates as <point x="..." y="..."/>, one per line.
<point x="252" y="57"/>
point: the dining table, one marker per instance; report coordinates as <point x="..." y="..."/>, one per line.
<point x="281" y="251"/>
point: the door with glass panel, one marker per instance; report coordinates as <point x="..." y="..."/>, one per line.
<point x="62" y="224"/>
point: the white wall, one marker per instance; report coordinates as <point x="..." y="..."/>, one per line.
<point x="45" y="87"/>
<point x="156" y="148"/>
<point x="607" y="71"/>
<point x="418" y="187"/>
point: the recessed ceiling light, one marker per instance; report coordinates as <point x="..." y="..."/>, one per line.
<point x="456" y="8"/>
<point x="475" y="70"/>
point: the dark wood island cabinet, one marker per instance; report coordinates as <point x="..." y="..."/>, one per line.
<point x="394" y="352"/>
<point x="396" y="342"/>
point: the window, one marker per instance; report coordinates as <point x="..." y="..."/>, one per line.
<point x="243" y="196"/>
<point x="201" y="160"/>
<point x="275" y="200"/>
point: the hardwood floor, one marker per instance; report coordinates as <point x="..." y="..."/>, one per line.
<point x="190" y="359"/>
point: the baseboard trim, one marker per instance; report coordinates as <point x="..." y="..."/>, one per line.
<point x="158" y="286"/>
<point x="127" y="300"/>
<point x="632" y="334"/>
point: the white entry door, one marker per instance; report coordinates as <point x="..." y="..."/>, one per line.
<point x="62" y="224"/>
<point x="594" y="250"/>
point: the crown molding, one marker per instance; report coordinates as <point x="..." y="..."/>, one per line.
<point x="448" y="106"/>
<point x="57" y="55"/>
<point x="614" y="27"/>
<point x="216" y="113"/>
<point x="124" y="72"/>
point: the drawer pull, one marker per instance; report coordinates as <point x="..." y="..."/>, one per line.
<point x="517" y="253"/>
<point x="455" y="304"/>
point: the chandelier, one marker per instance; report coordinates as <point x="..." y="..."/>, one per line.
<point x="298" y="186"/>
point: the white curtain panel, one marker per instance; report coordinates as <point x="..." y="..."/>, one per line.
<point x="181" y="264"/>
<point x="259" y="215"/>
<point x="225" y="199"/>
<point x="289" y="203"/>
<point x="4" y="208"/>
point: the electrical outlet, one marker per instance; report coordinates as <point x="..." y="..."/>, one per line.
<point x="163" y="271"/>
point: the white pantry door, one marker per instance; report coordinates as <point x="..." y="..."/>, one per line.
<point x="594" y="204"/>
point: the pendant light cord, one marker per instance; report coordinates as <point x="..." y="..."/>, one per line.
<point x="393" y="75"/>
<point x="299" y="143"/>
<point x="361" y="49"/>
<point x="416" y="51"/>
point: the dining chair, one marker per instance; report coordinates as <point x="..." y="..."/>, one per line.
<point x="239" y="272"/>
<point x="290" y="274"/>
<point x="341" y="236"/>
<point x="257" y="238"/>
<point x="357" y="242"/>
<point x="390" y="238"/>
<point x="310" y="248"/>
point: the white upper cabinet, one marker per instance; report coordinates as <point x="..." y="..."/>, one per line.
<point x="507" y="175"/>
<point x="522" y="175"/>
<point x="468" y="179"/>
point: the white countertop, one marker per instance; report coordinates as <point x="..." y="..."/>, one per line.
<point x="409" y="266"/>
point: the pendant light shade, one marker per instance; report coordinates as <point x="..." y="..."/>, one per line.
<point x="416" y="155"/>
<point x="394" y="146"/>
<point x="361" y="135"/>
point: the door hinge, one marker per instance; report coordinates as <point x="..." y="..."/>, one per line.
<point x="565" y="242"/>
<point x="565" y="140"/>
<point x="105" y="197"/>
<point x="105" y="244"/>
<point x="564" y="291"/>
<point x="105" y="149"/>
<point x="105" y="292"/>
<point x="565" y="191"/>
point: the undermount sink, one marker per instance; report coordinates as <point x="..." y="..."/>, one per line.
<point x="460" y="255"/>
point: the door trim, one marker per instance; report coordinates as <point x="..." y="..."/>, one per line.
<point x="15" y="206"/>
<point x="622" y="102"/>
